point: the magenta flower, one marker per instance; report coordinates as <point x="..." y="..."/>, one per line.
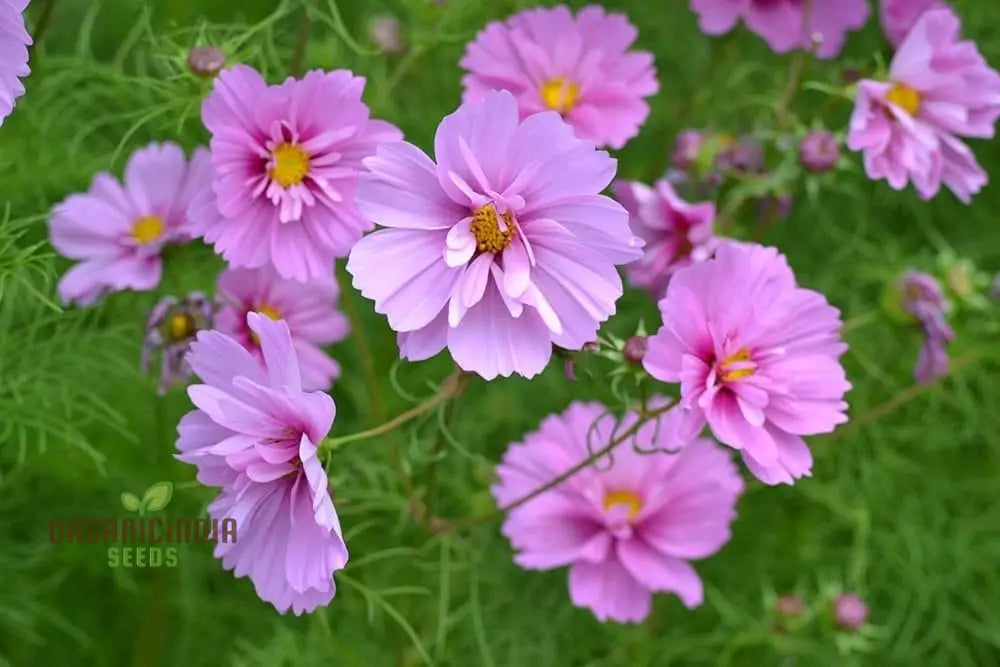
<point x="117" y="231"/>
<point x="899" y="16"/>
<point x="255" y="433"/>
<point x="501" y="249"/>
<point x="14" y="42"/>
<point x="784" y="24"/>
<point x="940" y="88"/>
<point x="676" y="233"/>
<point x="287" y="159"/>
<point x="577" y="66"/>
<point x="756" y="357"/>
<point x="850" y="611"/>
<point x="627" y="526"/>
<point x="308" y="309"/>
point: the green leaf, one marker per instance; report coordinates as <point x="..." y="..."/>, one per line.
<point x="130" y="501"/>
<point x="157" y="496"/>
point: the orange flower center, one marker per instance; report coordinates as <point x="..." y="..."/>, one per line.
<point x="486" y="227"/>
<point x="148" y="229"/>
<point x="559" y="94"/>
<point x="182" y="326"/>
<point x="629" y="499"/>
<point x="905" y="98"/>
<point x="291" y="164"/>
<point x="728" y="374"/>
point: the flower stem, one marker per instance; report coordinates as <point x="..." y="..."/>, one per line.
<point x="301" y="39"/>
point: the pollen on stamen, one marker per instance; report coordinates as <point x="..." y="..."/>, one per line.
<point x="181" y="327"/>
<point x="486" y="227"/>
<point x="148" y="229"/>
<point x="290" y="165"/>
<point x="905" y="97"/>
<point x="630" y="499"/>
<point x="729" y="374"/>
<point x="560" y="94"/>
<point x="270" y="313"/>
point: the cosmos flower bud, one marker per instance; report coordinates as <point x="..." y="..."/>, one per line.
<point x="819" y="151"/>
<point x="635" y="349"/>
<point x="850" y="611"/>
<point x="206" y="60"/>
<point x="384" y="31"/>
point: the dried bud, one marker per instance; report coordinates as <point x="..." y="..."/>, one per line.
<point x="206" y="60"/>
<point x="819" y="151"/>
<point x="850" y="611"/>
<point x="635" y="349"/>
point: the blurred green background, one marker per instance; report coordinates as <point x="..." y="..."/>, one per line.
<point x="903" y="505"/>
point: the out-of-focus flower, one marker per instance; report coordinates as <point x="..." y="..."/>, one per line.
<point x="206" y="60"/>
<point x="757" y="357"/>
<point x="628" y="526"/>
<point x="14" y="43"/>
<point x="675" y="232"/>
<point x="939" y="88"/>
<point x="118" y="231"/>
<point x="774" y="207"/>
<point x="687" y="148"/>
<point x="784" y="24"/>
<point x="790" y="605"/>
<point x="255" y="434"/>
<point x="500" y="249"/>
<point x="170" y="329"/>
<point x="850" y="611"/>
<point x="579" y="66"/>
<point x="309" y="310"/>
<point x="385" y="33"/>
<point x="899" y="16"/>
<point x="744" y="154"/>
<point x="923" y="299"/>
<point x="819" y="151"/>
<point x="286" y="162"/>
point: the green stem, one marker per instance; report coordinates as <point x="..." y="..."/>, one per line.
<point x="301" y="39"/>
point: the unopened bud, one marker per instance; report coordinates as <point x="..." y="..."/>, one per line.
<point x="635" y="349"/>
<point x="206" y="60"/>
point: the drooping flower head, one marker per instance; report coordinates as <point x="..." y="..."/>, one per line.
<point x="923" y="299"/>
<point x="784" y="24"/>
<point x="757" y="357"/>
<point x="117" y="231"/>
<point x="501" y="248"/>
<point x="676" y="233"/>
<point x="626" y="526"/>
<point x="170" y="330"/>
<point x="309" y="310"/>
<point x="255" y="434"/>
<point x="287" y="159"/>
<point x="579" y="66"/>
<point x="899" y="16"/>
<point x="939" y="89"/>
<point x="14" y="43"/>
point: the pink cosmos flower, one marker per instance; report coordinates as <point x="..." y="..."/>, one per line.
<point x="676" y="233"/>
<point x="577" y="66"/>
<point x="899" y="16"/>
<point x="756" y="357"/>
<point x="117" y="231"/>
<point x="784" y="24"/>
<point x="14" y="42"/>
<point x="939" y="88"/>
<point x="309" y="310"/>
<point x="287" y="159"/>
<point x="255" y="434"/>
<point x="626" y="526"/>
<point x="499" y="250"/>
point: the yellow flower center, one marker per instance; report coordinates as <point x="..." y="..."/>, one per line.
<point x="268" y="312"/>
<point x="727" y="374"/>
<point x="182" y="326"/>
<point x="905" y="97"/>
<point x="148" y="229"/>
<point x="628" y="498"/>
<point x="291" y="164"/>
<point x="559" y="94"/>
<point x="485" y="227"/>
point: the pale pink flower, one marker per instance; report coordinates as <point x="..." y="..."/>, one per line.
<point x="502" y="248"/>
<point x="676" y="233"/>
<point x="117" y="231"/>
<point x="757" y="357"/>
<point x="579" y="66"/>
<point x="627" y="525"/>
<point x="784" y="24"/>
<point x="255" y="434"/>
<point x="309" y="310"/>
<point x="14" y="43"/>
<point x="939" y="88"/>
<point x="899" y="16"/>
<point x="287" y="159"/>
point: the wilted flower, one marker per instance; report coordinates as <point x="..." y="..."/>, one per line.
<point x="385" y="33"/>
<point x="286" y="162"/>
<point x="170" y="329"/>
<point x="500" y="249"/>
<point x="819" y="151"/>
<point x="309" y="310"/>
<point x="255" y="434"/>
<point x="675" y="232"/>
<point x="923" y="299"/>
<point x="14" y="43"/>
<point x="117" y="232"/>
<point x="687" y="148"/>
<point x="206" y="60"/>
<point x="939" y="88"/>
<point x="784" y="24"/>
<point x="899" y="16"/>
<point x="850" y="611"/>
<point x="626" y="526"/>
<point x="757" y="357"/>
<point x="578" y="66"/>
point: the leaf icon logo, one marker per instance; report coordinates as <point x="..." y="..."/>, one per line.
<point x="155" y="498"/>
